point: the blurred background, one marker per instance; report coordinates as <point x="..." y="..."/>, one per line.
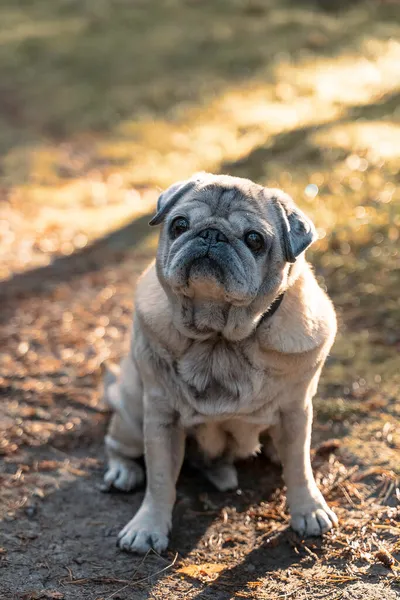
<point x="103" y="104"/>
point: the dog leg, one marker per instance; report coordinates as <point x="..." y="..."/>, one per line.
<point x="269" y="450"/>
<point x="205" y="453"/>
<point x="164" y="452"/>
<point x="310" y="514"/>
<point x="240" y="440"/>
<point x="124" y="440"/>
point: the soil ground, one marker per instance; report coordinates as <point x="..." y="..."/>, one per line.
<point x="103" y="103"/>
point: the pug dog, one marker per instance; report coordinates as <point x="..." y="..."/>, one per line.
<point x="230" y="333"/>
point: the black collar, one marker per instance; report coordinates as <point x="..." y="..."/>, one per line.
<point x="272" y="309"/>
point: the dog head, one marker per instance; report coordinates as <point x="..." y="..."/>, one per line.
<point x="226" y="240"/>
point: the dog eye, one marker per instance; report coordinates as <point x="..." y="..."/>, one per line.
<point x="178" y="226"/>
<point x="254" y="241"/>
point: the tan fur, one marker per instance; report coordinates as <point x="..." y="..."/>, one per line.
<point x="204" y="364"/>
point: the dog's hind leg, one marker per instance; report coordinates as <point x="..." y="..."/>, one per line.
<point x="122" y="473"/>
<point x="269" y="450"/>
<point x="124" y="439"/>
<point x="206" y="452"/>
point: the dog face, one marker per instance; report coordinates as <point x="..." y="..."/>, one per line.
<point x="226" y="239"/>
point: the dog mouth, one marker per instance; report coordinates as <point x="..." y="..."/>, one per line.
<point x="205" y="268"/>
<point x="206" y="279"/>
<point x="214" y="272"/>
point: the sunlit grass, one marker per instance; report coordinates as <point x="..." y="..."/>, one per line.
<point x="229" y="127"/>
<point x="380" y="140"/>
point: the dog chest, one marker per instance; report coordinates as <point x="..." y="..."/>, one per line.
<point x="214" y="370"/>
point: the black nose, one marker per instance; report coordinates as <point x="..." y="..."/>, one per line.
<point x="213" y="235"/>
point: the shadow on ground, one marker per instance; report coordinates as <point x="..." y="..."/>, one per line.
<point x="107" y="251"/>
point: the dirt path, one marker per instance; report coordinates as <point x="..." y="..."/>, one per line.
<point x="58" y="532"/>
<point x="223" y="546"/>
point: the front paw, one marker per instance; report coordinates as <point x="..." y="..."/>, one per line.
<point x="312" y="516"/>
<point x="143" y="533"/>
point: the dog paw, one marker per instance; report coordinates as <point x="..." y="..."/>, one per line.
<point x="314" y="521"/>
<point x="224" y="477"/>
<point x="122" y="474"/>
<point x="141" y="535"/>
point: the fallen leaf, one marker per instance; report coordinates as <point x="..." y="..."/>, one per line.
<point x="205" y="570"/>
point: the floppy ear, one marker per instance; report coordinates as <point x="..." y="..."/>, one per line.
<point x="298" y="230"/>
<point x="171" y="195"/>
